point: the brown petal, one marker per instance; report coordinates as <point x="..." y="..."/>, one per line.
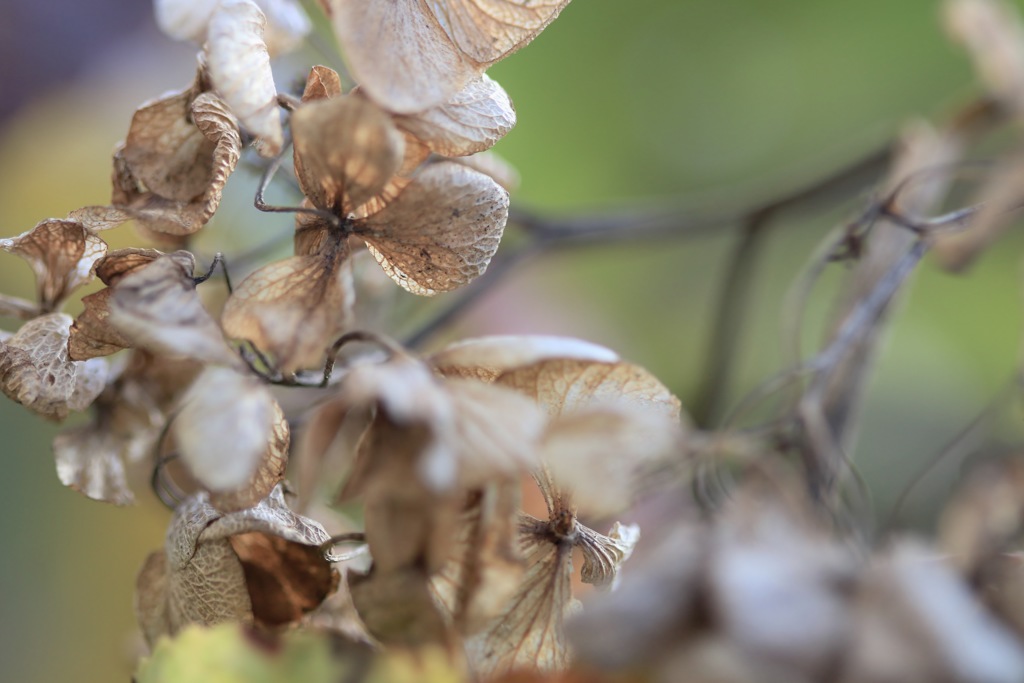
<point x="239" y="67"/>
<point x="225" y="427"/>
<point x="151" y="598"/>
<point x="346" y="150"/>
<point x="530" y="632"/>
<point x="488" y="30"/>
<point x="99" y="218"/>
<point x="322" y="83"/>
<point x="36" y="372"/>
<point x="170" y="174"/>
<point x="473" y="120"/>
<point x="91" y="335"/>
<point x="120" y="262"/>
<point x="442" y="230"/>
<point x="158" y="309"/>
<point x="491" y="164"/>
<point x="268" y="474"/>
<point x="61" y="253"/>
<point x="564" y="386"/>
<point x="485" y="358"/>
<point x="293" y="309"/>
<point x="399" y="55"/>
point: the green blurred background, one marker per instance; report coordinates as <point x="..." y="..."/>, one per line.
<point x="711" y="103"/>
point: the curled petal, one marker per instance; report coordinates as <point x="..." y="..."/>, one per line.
<point x="62" y="253"/>
<point x="442" y="230"/>
<point x="603" y="555"/>
<point x="269" y="472"/>
<point x="477" y="117"/>
<point x="89" y="461"/>
<point x="239" y="67"/>
<point x="321" y="84"/>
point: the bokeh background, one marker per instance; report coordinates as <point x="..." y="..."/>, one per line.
<point x="704" y="103"/>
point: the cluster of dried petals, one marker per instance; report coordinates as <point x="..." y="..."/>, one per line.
<point x="621" y="404"/>
<point x="181" y="148"/>
<point x="262" y="565"/>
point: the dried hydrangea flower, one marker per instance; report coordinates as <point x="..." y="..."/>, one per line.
<point x="263" y="565"/>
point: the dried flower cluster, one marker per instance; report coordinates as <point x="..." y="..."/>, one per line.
<point x="404" y="541"/>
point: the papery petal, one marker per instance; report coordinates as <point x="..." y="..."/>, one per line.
<point x="399" y="55"/>
<point x="346" y="150"/>
<point x="485" y="358"/>
<point x="472" y="121"/>
<point x="488" y="30"/>
<point x="442" y="230"/>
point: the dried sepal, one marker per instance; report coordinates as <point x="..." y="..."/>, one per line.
<point x="472" y="121"/>
<point x="530" y="633"/>
<point x="171" y="171"/>
<point x="239" y="66"/>
<point x="262" y="564"/>
<point x="62" y="254"/>
<point x="488" y="30"/>
<point x="269" y="472"/>
<point x="486" y="358"/>
<point x="492" y="164"/>
<point x="225" y="428"/>
<point x="603" y="555"/>
<point x="322" y="83"/>
<point x="99" y="218"/>
<point x="346" y="150"/>
<point x="441" y="231"/>
<point x="293" y="309"/>
<point x="35" y="369"/>
<point x="89" y="461"/>
<point x="397" y="607"/>
<point x="158" y="309"/>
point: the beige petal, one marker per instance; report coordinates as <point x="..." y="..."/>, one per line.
<point x="158" y="309"/>
<point x="346" y="150"/>
<point x="477" y="117"/>
<point x="239" y="67"/>
<point x="529" y="634"/>
<point x="99" y="218"/>
<point x="604" y="455"/>
<point x="399" y="55"/>
<point x="120" y="262"/>
<point x="224" y="427"/>
<point x="322" y="83"/>
<point x="61" y="253"/>
<point x="287" y="25"/>
<point x="36" y="372"/>
<point x="294" y="309"/>
<point x="485" y="358"/>
<point x="565" y="386"/>
<point x="442" y="230"/>
<point x="89" y="461"/>
<point x="604" y="555"/>
<point x="268" y="474"/>
<point x="488" y="30"/>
